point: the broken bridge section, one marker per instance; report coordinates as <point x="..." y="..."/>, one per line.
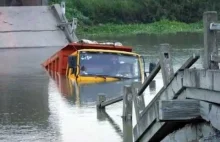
<point x="33" y="26"/>
<point x="187" y="108"/>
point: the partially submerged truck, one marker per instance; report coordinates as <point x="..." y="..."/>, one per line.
<point x="87" y="62"/>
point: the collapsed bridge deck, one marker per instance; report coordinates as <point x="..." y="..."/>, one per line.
<point x="33" y="26"/>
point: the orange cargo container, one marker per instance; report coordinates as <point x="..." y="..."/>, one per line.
<point x="58" y="62"/>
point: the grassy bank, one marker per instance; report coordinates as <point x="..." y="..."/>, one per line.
<point x="161" y="27"/>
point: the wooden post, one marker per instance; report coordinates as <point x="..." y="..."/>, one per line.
<point x="127" y="114"/>
<point x="166" y="63"/>
<point x="127" y="131"/>
<point x="127" y="103"/>
<point x="101" y="116"/>
<point x="101" y="98"/>
<point x="210" y="44"/>
<point x="139" y="103"/>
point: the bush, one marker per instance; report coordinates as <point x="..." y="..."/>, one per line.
<point x="91" y="12"/>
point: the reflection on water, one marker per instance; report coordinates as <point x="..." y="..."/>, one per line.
<point x="77" y="123"/>
<point x="40" y="106"/>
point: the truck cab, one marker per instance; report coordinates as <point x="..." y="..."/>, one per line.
<point x="94" y="66"/>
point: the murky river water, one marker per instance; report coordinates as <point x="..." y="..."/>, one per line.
<point x="35" y="107"/>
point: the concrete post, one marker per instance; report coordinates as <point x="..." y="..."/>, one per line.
<point x="139" y="103"/>
<point x="101" y="98"/>
<point x="166" y="63"/>
<point x="127" y="103"/>
<point x="74" y="26"/>
<point x="63" y="7"/>
<point x="210" y="44"/>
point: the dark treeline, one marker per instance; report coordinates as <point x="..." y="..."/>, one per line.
<point x="139" y="11"/>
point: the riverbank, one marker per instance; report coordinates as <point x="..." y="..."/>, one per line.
<point x="161" y="27"/>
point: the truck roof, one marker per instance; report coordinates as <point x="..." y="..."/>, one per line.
<point x="104" y="46"/>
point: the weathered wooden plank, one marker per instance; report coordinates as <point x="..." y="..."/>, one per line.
<point x="139" y="103"/>
<point x="216" y="82"/>
<point x="127" y="103"/>
<point x="189" y="62"/>
<point x="209" y="40"/>
<point x="198" y="78"/>
<point x="148" y="119"/>
<point x="149" y="79"/>
<point x="166" y="63"/>
<point x="150" y="113"/>
<point x="204" y="79"/>
<point x="172" y="110"/>
<point x="111" y="101"/>
<point x="189" y="78"/>
<point x="173" y="89"/>
<point x="203" y="95"/>
<point x="177" y="84"/>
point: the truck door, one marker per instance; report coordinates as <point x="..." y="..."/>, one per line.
<point x="72" y="65"/>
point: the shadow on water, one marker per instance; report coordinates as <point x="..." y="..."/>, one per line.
<point x="126" y="133"/>
<point x="102" y="115"/>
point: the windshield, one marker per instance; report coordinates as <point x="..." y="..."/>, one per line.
<point x="109" y="64"/>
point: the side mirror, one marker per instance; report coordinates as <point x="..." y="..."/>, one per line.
<point x="72" y="61"/>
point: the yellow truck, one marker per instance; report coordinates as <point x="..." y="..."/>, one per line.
<point x="91" y="62"/>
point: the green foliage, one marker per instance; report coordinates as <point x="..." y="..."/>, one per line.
<point x="91" y="12"/>
<point x="118" y="17"/>
<point x="160" y="27"/>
